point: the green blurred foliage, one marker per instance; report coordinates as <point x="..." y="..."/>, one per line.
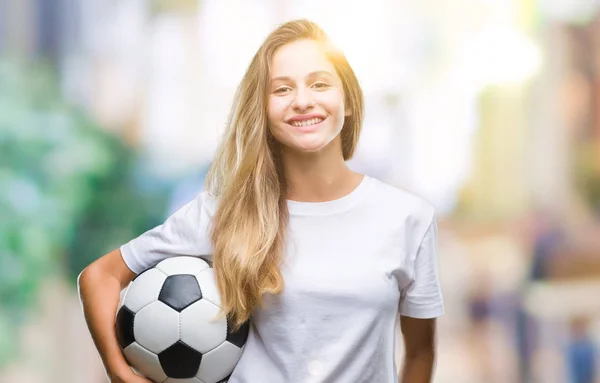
<point x="70" y="191"/>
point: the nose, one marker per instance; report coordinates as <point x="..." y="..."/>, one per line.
<point x="303" y="100"/>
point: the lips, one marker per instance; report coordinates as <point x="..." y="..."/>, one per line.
<point x="306" y="119"/>
<point x="312" y="121"/>
<point x="308" y="126"/>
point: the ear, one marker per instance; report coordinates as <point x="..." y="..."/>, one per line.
<point x="348" y="112"/>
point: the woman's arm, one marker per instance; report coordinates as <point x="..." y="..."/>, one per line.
<point x="100" y="284"/>
<point x="420" y="349"/>
<point x="99" y="287"/>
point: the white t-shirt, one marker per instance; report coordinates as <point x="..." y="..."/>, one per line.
<point x="350" y="266"/>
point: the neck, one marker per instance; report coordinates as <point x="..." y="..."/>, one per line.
<point x="318" y="177"/>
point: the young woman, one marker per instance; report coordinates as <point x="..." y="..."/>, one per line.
<point x="319" y="258"/>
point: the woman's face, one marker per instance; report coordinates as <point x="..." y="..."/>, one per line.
<point x="306" y="98"/>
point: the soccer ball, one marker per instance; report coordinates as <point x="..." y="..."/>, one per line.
<point x="166" y="325"/>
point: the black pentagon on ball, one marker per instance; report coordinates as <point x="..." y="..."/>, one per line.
<point x="180" y="291"/>
<point x="124" y="326"/>
<point x="180" y="361"/>
<point x="240" y="336"/>
<point x="225" y="379"/>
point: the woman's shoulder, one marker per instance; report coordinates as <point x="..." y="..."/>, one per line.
<point x="208" y="201"/>
<point x="399" y="197"/>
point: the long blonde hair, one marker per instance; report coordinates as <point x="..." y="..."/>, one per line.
<point x="246" y="176"/>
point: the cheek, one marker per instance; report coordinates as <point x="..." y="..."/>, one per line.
<point x="276" y="109"/>
<point x="334" y="102"/>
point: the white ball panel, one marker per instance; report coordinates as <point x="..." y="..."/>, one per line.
<point x="182" y="265"/>
<point x="218" y="363"/>
<point x="156" y="327"/>
<point x="190" y="380"/>
<point x="123" y="294"/>
<point x="144" y="362"/>
<point x="208" y="286"/>
<point x="144" y="289"/>
<point x="199" y="329"/>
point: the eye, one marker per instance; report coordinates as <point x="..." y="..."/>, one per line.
<point x="282" y="90"/>
<point x="320" y="85"/>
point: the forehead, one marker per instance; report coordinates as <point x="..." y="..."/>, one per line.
<point x="300" y="58"/>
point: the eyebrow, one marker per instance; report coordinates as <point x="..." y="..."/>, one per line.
<point x="311" y="74"/>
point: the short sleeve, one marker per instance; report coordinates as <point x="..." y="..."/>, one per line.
<point x="422" y="298"/>
<point x="183" y="233"/>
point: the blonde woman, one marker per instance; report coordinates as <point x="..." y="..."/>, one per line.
<point x="319" y="258"/>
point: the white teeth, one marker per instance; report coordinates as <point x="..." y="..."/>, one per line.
<point x="312" y="121"/>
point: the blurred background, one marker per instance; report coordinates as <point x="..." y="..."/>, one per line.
<point x="110" y="112"/>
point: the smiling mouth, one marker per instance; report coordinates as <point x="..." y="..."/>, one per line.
<point x="312" y="121"/>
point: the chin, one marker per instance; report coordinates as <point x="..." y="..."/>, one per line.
<point x="310" y="143"/>
<point x="305" y="149"/>
<point x="309" y="147"/>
